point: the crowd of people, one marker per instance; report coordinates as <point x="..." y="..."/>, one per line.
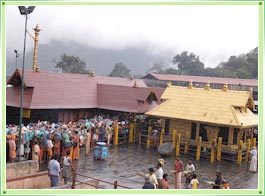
<point x="59" y="143"/>
<point x="157" y="179"/>
<point x="41" y="140"/>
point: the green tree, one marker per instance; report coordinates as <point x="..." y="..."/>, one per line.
<point x="242" y="66"/>
<point x="188" y="64"/>
<point x="120" y="70"/>
<point x="71" y="64"/>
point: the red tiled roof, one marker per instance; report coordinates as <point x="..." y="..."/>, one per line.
<point x="201" y="79"/>
<point x="13" y="94"/>
<point x="125" y="98"/>
<point x="53" y="90"/>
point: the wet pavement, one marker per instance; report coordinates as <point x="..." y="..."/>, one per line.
<point x="124" y="161"/>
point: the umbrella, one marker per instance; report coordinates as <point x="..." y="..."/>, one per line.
<point x="165" y="149"/>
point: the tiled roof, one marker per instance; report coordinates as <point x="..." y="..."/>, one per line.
<point x="13" y="94"/>
<point x="125" y="98"/>
<point x="201" y="79"/>
<point x="53" y="90"/>
<point x="209" y="106"/>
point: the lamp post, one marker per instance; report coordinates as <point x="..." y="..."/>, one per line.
<point x="23" y="11"/>
<point x="17" y="55"/>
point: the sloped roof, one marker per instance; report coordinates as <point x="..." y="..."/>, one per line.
<point x="53" y="90"/>
<point x="126" y="98"/>
<point x="13" y="94"/>
<point x="202" y="79"/>
<point x="209" y="106"/>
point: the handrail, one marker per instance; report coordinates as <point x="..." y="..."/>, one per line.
<point x="115" y="184"/>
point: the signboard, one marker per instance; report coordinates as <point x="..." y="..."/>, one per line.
<point x="26" y="113"/>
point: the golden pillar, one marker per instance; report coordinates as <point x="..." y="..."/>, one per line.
<point x="219" y="149"/>
<point x="239" y="155"/>
<point x="212" y="158"/>
<point x="131" y="132"/>
<point x="161" y="136"/>
<point x="198" y="153"/>
<point x="178" y="144"/>
<point x="148" y="142"/>
<point x="116" y="134"/>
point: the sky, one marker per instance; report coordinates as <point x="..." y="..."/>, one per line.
<point x="214" y="33"/>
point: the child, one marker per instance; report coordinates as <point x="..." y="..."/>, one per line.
<point x="194" y="182"/>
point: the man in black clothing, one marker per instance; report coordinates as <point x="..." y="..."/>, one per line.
<point x="148" y="184"/>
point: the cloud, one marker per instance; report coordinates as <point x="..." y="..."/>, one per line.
<point x="211" y="32"/>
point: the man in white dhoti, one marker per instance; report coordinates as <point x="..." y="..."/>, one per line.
<point x="254" y="160"/>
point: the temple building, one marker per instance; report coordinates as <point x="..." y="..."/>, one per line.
<point x="209" y="113"/>
<point x="67" y="97"/>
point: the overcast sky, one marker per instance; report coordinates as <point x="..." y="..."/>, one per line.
<point x="212" y="32"/>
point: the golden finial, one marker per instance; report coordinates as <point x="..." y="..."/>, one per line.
<point x="225" y="88"/>
<point x="135" y="84"/>
<point x="251" y="90"/>
<point x="190" y="85"/>
<point x="169" y="84"/>
<point x="207" y="86"/>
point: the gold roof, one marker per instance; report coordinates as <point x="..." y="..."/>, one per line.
<point x="210" y="106"/>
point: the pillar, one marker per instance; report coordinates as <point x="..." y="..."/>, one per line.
<point x="131" y="132"/>
<point x="148" y="142"/>
<point x="239" y="155"/>
<point x="178" y="144"/>
<point x="212" y="158"/>
<point x="254" y="142"/>
<point x="116" y="134"/>
<point x="198" y="153"/>
<point x="219" y="149"/>
<point x="161" y="136"/>
<point x="248" y="149"/>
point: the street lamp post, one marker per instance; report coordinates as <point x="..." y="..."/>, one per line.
<point x="23" y="11"/>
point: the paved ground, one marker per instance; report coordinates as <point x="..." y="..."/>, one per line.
<point x="124" y="161"/>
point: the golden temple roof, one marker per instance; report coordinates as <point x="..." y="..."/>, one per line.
<point x="215" y="106"/>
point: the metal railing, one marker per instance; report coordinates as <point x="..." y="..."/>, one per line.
<point x="114" y="184"/>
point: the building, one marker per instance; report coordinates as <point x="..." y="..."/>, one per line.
<point x="67" y="97"/>
<point x="201" y="81"/>
<point x="209" y="113"/>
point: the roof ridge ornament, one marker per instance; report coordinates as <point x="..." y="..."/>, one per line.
<point x="169" y="84"/>
<point x="92" y="72"/>
<point x="135" y="84"/>
<point x="207" y="86"/>
<point x="190" y="85"/>
<point x="250" y="90"/>
<point x="225" y="88"/>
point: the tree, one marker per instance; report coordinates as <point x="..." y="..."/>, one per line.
<point x="71" y="64"/>
<point x="242" y="66"/>
<point x="188" y="64"/>
<point x="120" y="70"/>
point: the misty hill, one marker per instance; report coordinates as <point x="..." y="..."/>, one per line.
<point x="103" y="60"/>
